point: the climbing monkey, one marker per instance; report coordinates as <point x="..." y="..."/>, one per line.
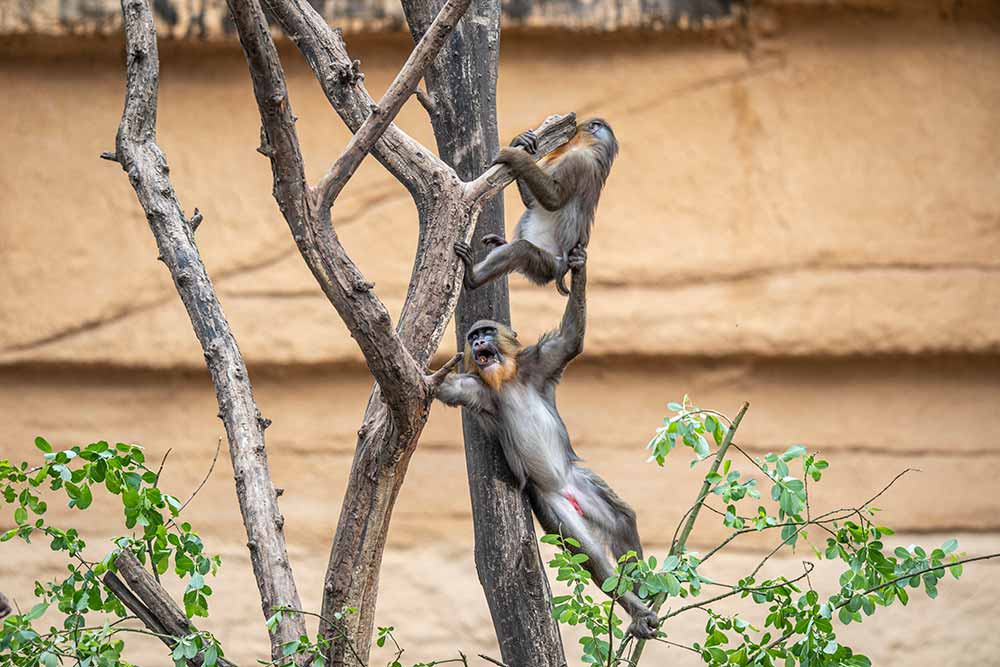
<point x="560" y="193"/>
<point x="512" y="392"/>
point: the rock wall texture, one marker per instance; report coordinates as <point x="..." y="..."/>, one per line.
<point x="815" y="228"/>
<point x="209" y="19"/>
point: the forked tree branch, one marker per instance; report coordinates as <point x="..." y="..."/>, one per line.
<point x="150" y="602"/>
<point x="367" y="318"/>
<point x="400" y="90"/>
<point x="139" y="155"/>
<point x="413" y="164"/>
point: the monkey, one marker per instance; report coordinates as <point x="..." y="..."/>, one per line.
<point x="5" y="607"/>
<point x="512" y="392"/>
<point x="560" y="194"/>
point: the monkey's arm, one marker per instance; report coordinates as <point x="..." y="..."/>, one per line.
<point x="463" y="389"/>
<point x="559" y="348"/>
<point x="526" y="197"/>
<point x="548" y="191"/>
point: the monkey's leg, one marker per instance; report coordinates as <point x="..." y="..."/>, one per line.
<point x="521" y="255"/>
<point x="621" y="529"/>
<point x="565" y="513"/>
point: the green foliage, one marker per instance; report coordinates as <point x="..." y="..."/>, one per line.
<point x="797" y="623"/>
<point x="157" y="538"/>
<point x="674" y="576"/>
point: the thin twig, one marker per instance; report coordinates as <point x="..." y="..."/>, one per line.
<point x="149" y="542"/>
<point x="830" y="516"/>
<point x="211" y="467"/>
<point x="426" y="102"/>
<point x="740" y="589"/>
<point x="333" y="623"/>
<point x="678" y="645"/>
<point x="677" y="546"/>
<point x="785" y="637"/>
<point x="493" y="660"/>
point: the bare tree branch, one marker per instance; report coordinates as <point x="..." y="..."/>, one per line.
<point x="366" y="317"/>
<point x="413" y="165"/>
<point x="150" y="602"/>
<point x="139" y="155"/>
<point x="400" y="90"/>
<point x="552" y="133"/>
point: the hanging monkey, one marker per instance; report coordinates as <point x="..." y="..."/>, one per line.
<point x="560" y="193"/>
<point x="512" y="392"/>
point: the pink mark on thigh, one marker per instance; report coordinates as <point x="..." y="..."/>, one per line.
<point x="574" y="502"/>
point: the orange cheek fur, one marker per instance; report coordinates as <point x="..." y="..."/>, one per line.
<point x="579" y="140"/>
<point x="498" y="375"/>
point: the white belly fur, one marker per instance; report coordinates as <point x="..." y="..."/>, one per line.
<point x="540" y="227"/>
<point x="537" y="435"/>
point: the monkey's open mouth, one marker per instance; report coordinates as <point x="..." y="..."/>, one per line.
<point x="485" y="357"/>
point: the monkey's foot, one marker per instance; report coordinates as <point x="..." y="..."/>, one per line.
<point x="645" y="624"/>
<point x="493" y="240"/>
<point x="577" y="257"/>
<point x="526" y="140"/>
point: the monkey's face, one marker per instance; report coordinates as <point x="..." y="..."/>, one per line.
<point x="485" y="348"/>
<point x="491" y="353"/>
<point x="600" y="130"/>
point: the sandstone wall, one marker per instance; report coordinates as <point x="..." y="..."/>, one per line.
<point x="815" y="229"/>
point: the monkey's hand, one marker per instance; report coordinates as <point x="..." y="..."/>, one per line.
<point x="493" y="240"/>
<point x="645" y="624"/>
<point x="577" y="258"/>
<point x="464" y="252"/>
<point x="513" y="156"/>
<point x="434" y="380"/>
<point x="526" y="140"/>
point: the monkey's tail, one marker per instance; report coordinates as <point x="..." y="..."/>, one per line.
<point x="561" y="285"/>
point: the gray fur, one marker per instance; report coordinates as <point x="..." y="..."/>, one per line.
<point x="536" y="444"/>
<point x="560" y="201"/>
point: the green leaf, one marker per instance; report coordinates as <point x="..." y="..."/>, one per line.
<point x="20" y="515"/>
<point x="211" y="655"/>
<point x="672" y="584"/>
<point x="42" y="444"/>
<point x="949" y="546"/>
<point x="48" y="659"/>
<point x="36" y="612"/>
<point x="85" y="498"/>
<point x="793" y="452"/>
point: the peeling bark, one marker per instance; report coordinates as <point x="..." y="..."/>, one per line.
<point x="398" y="407"/>
<point x="461" y="85"/>
<point x="139" y="155"/>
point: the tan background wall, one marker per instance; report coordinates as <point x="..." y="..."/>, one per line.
<point x="815" y="230"/>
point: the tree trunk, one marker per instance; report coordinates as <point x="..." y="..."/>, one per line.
<point x="461" y="85"/>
